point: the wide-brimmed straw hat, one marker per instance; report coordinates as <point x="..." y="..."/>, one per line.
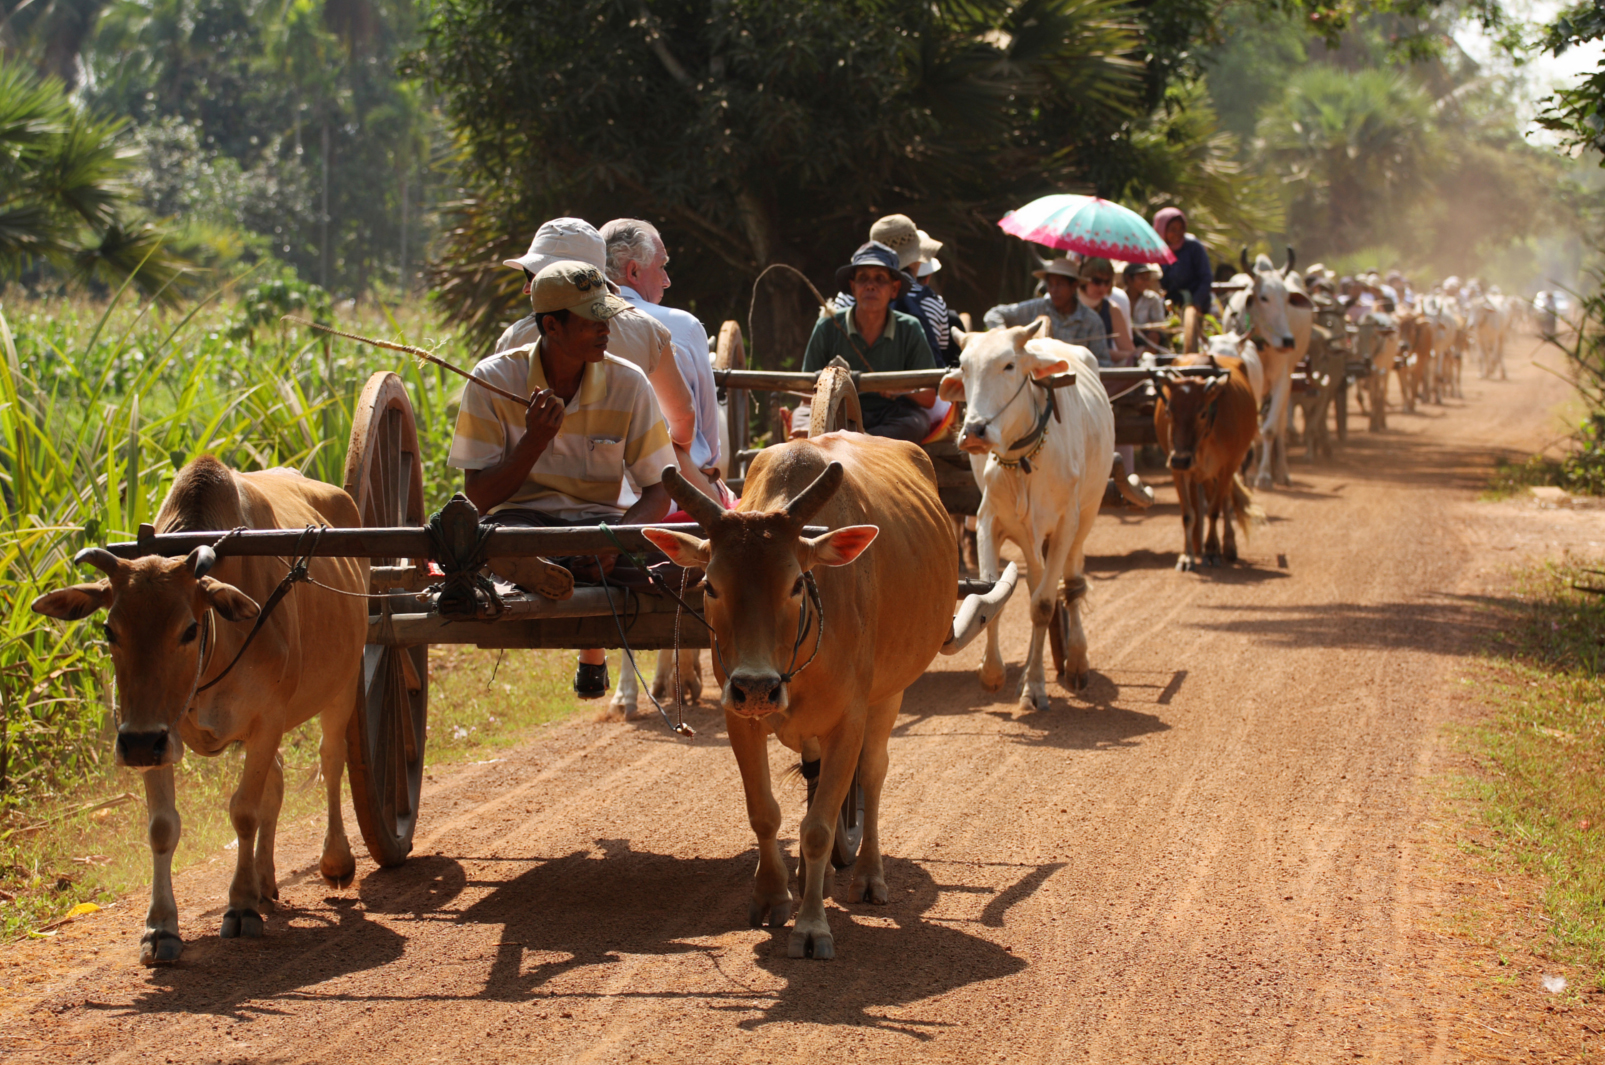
<point x="898" y="232"/>
<point x="1061" y="266"/>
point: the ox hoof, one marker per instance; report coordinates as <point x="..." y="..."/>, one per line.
<point x="1212" y="559"/>
<point x="338" y="872"/>
<point x="1185" y="564"/>
<point x="238" y="924"/>
<point x="992" y="681"/>
<point x="160" y="947"/>
<point x="1034" y="701"/>
<point x="871" y="889"/>
<point x="773" y="912"/>
<point x="816" y="945"/>
<point x="1231" y="554"/>
<point x="1076" y="680"/>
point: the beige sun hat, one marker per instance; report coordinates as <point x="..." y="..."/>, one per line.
<point x="929" y="246"/>
<point x="562" y="239"/>
<point x="898" y="232"/>
<point x="577" y="287"/>
<point x="1061" y="266"/>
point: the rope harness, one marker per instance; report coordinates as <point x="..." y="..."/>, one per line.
<point x="298" y="572"/>
<point x="805" y="624"/>
<point x="1037" y="438"/>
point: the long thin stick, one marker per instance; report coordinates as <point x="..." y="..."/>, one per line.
<point x="427" y="356"/>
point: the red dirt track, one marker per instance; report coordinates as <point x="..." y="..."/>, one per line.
<point x="1218" y="854"/>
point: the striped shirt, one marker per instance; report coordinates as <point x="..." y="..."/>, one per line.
<point x="611" y="425"/>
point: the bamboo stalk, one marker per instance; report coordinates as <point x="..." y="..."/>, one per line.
<point x="427" y="356"/>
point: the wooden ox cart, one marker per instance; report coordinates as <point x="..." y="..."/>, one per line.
<point x="425" y="589"/>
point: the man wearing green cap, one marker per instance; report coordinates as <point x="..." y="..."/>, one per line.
<point x="560" y="459"/>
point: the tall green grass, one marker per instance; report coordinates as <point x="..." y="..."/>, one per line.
<point x="100" y="406"/>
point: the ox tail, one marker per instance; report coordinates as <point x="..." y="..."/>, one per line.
<point x="1248" y="513"/>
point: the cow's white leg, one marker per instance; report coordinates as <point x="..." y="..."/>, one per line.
<point x="267" y="875"/>
<point x="1045" y="580"/>
<point x="1281" y="412"/>
<point x="810" y="934"/>
<point x="337" y="866"/>
<point x="244" y="915"/>
<point x="160" y="943"/>
<point x="628" y="693"/>
<point x="987" y="548"/>
<point x="869" y="872"/>
<point x="771" y="899"/>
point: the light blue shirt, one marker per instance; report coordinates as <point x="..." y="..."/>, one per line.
<point x="690" y="342"/>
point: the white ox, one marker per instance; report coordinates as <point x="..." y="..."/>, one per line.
<point x="1043" y="478"/>
<point x="1489" y="322"/>
<point x="1272" y="305"/>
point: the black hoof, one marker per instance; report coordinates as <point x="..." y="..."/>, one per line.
<point x="160" y="947"/>
<point x="237" y="924"/>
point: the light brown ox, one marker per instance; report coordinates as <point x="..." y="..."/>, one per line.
<point x="1207" y="426"/>
<point x="166" y="643"/>
<point x="885" y="618"/>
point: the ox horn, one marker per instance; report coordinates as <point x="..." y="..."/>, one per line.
<point x="100" y="558"/>
<point x="200" y="561"/>
<point x="1291" y="259"/>
<point x="816" y="495"/>
<point x="705" y="511"/>
<point x="1243" y="259"/>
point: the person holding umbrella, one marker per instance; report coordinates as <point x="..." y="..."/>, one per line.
<point x="1187" y="280"/>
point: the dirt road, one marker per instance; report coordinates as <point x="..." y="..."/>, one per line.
<point x="1217" y="855"/>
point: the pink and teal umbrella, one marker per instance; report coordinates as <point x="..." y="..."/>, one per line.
<point x="1090" y="226"/>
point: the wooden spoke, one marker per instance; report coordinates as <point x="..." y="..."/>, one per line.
<point x="835" y="404"/>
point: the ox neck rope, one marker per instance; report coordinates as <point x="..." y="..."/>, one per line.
<point x="804" y="624"/>
<point x="298" y="572"/>
<point x="1037" y="438"/>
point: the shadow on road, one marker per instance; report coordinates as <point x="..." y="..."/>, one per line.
<point x="1443" y="624"/>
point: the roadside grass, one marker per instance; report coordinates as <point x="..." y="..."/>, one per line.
<point x="480" y="702"/>
<point x="1539" y="782"/>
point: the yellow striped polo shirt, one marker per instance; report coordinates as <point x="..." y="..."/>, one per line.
<point x="612" y="424"/>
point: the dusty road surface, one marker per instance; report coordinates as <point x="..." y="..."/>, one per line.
<point x="1216" y="855"/>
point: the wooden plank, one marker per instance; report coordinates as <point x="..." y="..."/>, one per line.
<point x="403" y="542"/>
<point x="646" y="632"/>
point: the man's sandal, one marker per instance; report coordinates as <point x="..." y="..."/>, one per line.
<point x="535" y="574"/>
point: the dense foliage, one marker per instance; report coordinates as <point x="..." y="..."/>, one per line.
<point x="63" y="197"/>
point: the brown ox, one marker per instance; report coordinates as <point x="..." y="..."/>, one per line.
<point x="1207" y="426"/>
<point x="884" y="619"/>
<point x="166" y="645"/>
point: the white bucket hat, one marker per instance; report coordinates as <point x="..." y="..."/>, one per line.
<point x="562" y="239"/>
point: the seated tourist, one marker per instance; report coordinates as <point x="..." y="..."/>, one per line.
<point x="632" y="335"/>
<point x="872" y="337"/>
<point x="561" y="459"/>
<point x="1069" y="319"/>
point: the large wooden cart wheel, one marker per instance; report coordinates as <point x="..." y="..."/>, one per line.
<point x="385" y="741"/>
<point x="835" y="404"/>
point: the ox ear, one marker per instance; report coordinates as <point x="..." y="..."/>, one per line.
<point x="229" y="601"/>
<point x="1295" y="298"/>
<point x="840" y="546"/>
<point x="952" y="387"/>
<point x="683" y="549"/>
<point x="71" y="604"/>
<point x="1045" y="365"/>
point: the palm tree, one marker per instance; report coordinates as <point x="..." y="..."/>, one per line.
<point x="1354" y="147"/>
<point x="61" y="192"/>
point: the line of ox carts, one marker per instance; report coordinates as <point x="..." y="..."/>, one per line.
<point x="268" y="599"/>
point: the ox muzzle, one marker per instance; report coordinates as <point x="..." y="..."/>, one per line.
<point x="973" y="438"/>
<point x="1181" y="460"/>
<point x="755" y="692"/>
<point x="146" y="748"/>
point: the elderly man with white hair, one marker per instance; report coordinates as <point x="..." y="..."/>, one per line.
<point x="637" y="262"/>
<point x="633" y="336"/>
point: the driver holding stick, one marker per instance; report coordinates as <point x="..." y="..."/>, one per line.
<point x="560" y="458"/>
